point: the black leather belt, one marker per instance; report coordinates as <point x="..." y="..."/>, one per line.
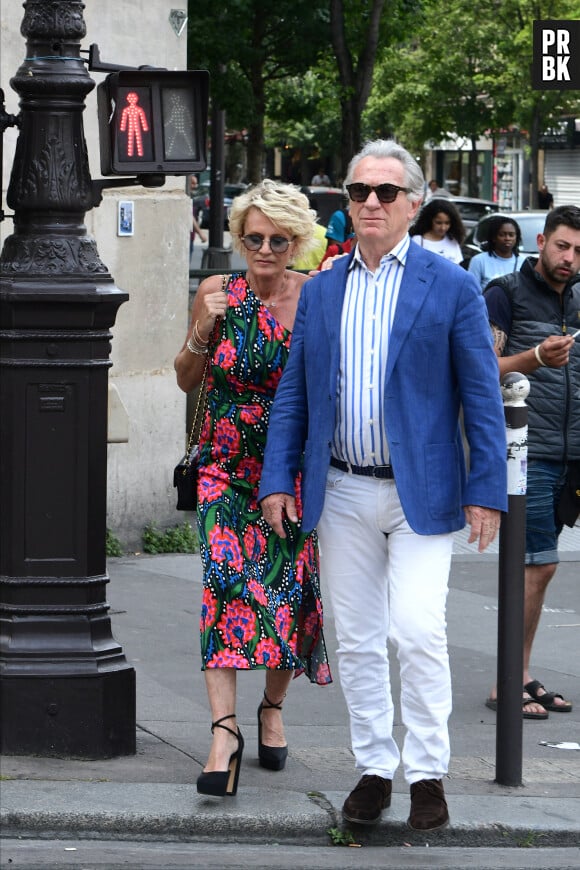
<point x="384" y="472"/>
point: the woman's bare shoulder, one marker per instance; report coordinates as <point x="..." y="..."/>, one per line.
<point x="296" y="279"/>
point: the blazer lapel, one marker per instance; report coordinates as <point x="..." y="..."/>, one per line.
<point x="416" y="283"/>
<point x="331" y="289"/>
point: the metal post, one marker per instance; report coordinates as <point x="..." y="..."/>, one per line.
<point x="512" y="540"/>
<point x="67" y="689"/>
<point x="215" y="255"/>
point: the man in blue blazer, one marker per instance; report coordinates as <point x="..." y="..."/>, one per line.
<point x="387" y="347"/>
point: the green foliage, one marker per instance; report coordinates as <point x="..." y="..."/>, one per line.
<point x="113" y="545"/>
<point x="293" y="104"/>
<point x="303" y="73"/>
<point x="341" y="838"/>
<point x="178" y="539"/>
<point x="531" y="840"/>
<point x="465" y="70"/>
<point x="246" y="44"/>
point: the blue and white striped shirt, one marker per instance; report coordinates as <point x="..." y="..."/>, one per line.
<point x="367" y="318"/>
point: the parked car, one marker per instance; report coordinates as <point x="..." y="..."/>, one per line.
<point x="201" y="202"/>
<point x="325" y="201"/>
<point x="471" y="209"/>
<point x="530" y="223"/>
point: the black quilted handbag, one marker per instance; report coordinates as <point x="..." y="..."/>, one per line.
<point x="186" y="472"/>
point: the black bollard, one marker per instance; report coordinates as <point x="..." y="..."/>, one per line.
<point x="512" y="540"/>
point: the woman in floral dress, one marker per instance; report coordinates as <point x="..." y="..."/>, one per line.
<point x="261" y="605"/>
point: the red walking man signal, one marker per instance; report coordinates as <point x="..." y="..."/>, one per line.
<point x="133" y="120"/>
<point x="153" y="122"/>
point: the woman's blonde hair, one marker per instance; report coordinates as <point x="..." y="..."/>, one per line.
<point x="281" y="203"/>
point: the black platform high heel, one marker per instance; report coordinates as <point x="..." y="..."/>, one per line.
<point x="223" y="782"/>
<point x="270" y="757"/>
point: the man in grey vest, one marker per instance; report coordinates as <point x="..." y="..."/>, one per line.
<point x="535" y="316"/>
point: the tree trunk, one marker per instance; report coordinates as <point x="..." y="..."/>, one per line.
<point x="350" y="134"/>
<point x="255" y="151"/>
<point x="355" y="84"/>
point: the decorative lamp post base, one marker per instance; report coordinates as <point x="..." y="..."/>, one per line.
<point x="69" y="716"/>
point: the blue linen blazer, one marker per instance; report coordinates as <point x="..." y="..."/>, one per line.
<point x="440" y="358"/>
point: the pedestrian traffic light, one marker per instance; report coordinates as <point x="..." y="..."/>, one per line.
<point x="153" y="121"/>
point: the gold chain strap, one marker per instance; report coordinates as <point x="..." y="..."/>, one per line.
<point x="201" y="397"/>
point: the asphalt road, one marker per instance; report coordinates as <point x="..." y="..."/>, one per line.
<point x="118" y="855"/>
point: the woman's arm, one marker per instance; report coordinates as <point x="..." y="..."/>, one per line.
<point x="210" y="303"/>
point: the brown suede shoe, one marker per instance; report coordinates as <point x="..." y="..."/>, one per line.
<point x="428" y="806"/>
<point x="370" y="796"/>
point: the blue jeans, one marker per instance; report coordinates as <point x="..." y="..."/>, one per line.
<point x="545" y="483"/>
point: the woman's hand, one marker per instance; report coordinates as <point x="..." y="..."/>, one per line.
<point x="326" y="264"/>
<point x="211" y="304"/>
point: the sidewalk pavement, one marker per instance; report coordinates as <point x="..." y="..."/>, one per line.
<point x="155" y="604"/>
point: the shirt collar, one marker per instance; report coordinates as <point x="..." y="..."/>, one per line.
<point x="399" y="252"/>
<point x="497" y="256"/>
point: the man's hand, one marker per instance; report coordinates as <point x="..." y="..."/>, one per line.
<point x="555" y="350"/>
<point x="275" y="507"/>
<point x="484" y="524"/>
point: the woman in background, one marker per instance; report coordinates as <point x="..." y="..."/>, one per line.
<point x="439" y="228"/>
<point x="500" y="252"/>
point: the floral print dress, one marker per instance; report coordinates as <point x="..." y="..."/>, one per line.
<point x="261" y="604"/>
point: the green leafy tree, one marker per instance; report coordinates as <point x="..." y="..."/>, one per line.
<point x="248" y="45"/>
<point x="466" y="70"/>
<point x="359" y="28"/>
<point x="534" y="111"/>
<point x="442" y="82"/>
<point x="355" y="41"/>
<point x="303" y="114"/>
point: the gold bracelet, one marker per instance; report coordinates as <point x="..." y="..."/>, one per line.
<point x="537" y="355"/>
<point x="197" y="336"/>
<point x="194" y="347"/>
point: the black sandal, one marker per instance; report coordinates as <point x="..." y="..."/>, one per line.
<point x="491" y="703"/>
<point x="547" y="700"/>
<point x="270" y="757"/>
<point x="223" y="782"/>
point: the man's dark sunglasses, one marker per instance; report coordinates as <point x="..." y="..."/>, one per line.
<point x="359" y="192"/>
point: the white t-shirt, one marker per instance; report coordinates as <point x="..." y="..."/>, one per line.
<point x="448" y="248"/>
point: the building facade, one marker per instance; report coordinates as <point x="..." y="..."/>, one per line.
<point x="147" y="411"/>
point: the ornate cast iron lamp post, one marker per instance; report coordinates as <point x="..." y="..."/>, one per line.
<point x="67" y="688"/>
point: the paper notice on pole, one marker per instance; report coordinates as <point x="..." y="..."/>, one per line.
<point x="517" y="460"/>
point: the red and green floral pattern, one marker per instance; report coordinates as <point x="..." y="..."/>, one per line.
<point x="261" y="603"/>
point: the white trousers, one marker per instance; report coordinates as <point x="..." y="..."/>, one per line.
<point x="387" y="582"/>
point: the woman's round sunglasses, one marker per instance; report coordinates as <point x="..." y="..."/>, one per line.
<point x="254" y="241"/>
<point x="359" y="192"/>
